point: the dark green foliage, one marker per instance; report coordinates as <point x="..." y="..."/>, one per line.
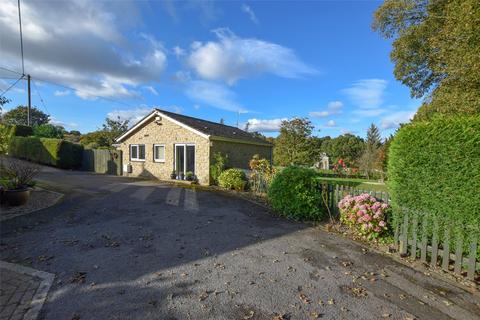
<point x="295" y="193"/>
<point x="233" y="179"/>
<point x="18" y="115"/>
<point x="347" y="147"/>
<point x="22" y="131"/>
<point x="436" y="47"/>
<point x="54" y="152"/>
<point x="218" y="165"/>
<point x="434" y="171"/>
<point x="48" y="131"/>
<point x="7" y="132"/>
<point x="292" y="144"/>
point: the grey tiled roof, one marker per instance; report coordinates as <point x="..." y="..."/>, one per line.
<point x="214" y="129"/>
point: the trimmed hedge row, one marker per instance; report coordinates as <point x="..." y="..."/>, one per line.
<point x="55" y="152"/>
<point x="434" y="172"/>
<point x="7" y="132"/>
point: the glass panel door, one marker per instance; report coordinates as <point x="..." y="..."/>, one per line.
<point x="190" y="158"/>
<point x="180" y="160"/>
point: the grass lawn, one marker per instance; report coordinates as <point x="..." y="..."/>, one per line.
<point x="362" y="184"/>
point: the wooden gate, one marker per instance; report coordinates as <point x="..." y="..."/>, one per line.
<point x="102" y="161"/>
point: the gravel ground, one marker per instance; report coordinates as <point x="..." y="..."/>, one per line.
<point x="131" y="249"/>
<point x="39" y="199"/>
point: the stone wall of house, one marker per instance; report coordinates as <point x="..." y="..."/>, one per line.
<point x="167" y="133"/>
<point x="239" y="154"/>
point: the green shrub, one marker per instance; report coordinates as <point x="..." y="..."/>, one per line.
<point x="233" y="179"/>
<point x="54" y="152"/>
<point x="7" y="132"/>
<point x="434" y="173"/>
<point x="218" y="165"/>
<point x="22" y="131"/>
<point x="295" y="192"/>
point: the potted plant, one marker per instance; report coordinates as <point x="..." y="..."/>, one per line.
<point x="17" y="180"/>
<point x="173" y="175"/>
<point x="189" y="176"/>
<point x="181" y="176"/>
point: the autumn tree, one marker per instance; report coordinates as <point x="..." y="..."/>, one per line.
<point x="436" y="52"/>
<point x="291" y="145"/>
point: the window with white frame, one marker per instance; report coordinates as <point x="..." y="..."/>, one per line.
<point x="159" y="152"/>
<point x="137" y="152"/>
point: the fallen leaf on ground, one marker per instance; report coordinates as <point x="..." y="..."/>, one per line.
<point x="331" y="301"/>
<point x="249" y="315"/>
<point x="78" y="277"/>
<point x="304" y="298"/>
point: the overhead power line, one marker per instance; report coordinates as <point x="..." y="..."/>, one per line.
<point x="67" y="87"/>
<point x="11" y="86"/>
<point x="40" y="96"/>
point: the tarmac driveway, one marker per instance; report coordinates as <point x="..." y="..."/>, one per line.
<point x="130" y="249"/>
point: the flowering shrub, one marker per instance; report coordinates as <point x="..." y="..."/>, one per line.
<point x="261" y="175"/>
<point x="340" y="168"/>
<point x="364" y="214"/>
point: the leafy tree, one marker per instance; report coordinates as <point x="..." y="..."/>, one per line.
<point x="3" y="101"/>
<point x="347" y="147"/>
<point x="49" y="131"/>
<point x="291" y="145"/>
<point x="18" y="115"/>
<point x="370" y="158"/>
<point x="95" y="139"/>
<point x="72" y="136"/>
<point x="436" y="51"/>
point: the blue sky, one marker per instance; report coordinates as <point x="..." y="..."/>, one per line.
<point x="259" y="62"/>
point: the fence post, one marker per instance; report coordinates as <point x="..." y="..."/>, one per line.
<point x="404" y="235"/>
<point x="446" y="248"/>
<point x="414" y="233"/>
<point x="471" y="260"/>
<point x="433" y="262"/>
<point x="423" y="248"/>
<point x="458" y="255"/>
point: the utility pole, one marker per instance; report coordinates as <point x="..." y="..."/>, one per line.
<point x="29" y="101"/>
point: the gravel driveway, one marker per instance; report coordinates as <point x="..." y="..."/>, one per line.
<point x="130" y="249"/>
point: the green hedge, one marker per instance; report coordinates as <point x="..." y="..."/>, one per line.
<point x="55" y="152"/>
<point x="296" y="193"/>
<point x="434" y="172"/>
<point x="7" y="132"/>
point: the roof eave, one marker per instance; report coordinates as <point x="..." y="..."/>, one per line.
<point x="257" y="143"/>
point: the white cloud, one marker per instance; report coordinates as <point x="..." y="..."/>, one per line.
<point x="132" y="115"/>
<point x="333" y="107"/>
<point x="152" y="90"/>
<point x="60" y="93"/>
<point x="394" y="120"/>
<point x="66" y="125"/>
<point x="265" y="125"/>
<point x="367" y="93"/>
<point x="250" y="13"/>
<point x="232" y="58"/>
<point x="178" y="52"/>
<point x="331" y="124"/>
<point x="196" y="106"/>
<point x="85" y="51"/>
<point x="214" y="94"/>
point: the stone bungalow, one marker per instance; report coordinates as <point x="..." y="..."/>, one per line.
<point x="164" y="141"/>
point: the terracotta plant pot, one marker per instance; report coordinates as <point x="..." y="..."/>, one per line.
<point x="16" y="197"/>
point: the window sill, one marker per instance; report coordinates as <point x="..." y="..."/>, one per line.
<point x="159" y="161"/>
<point x="137" y="160"/>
